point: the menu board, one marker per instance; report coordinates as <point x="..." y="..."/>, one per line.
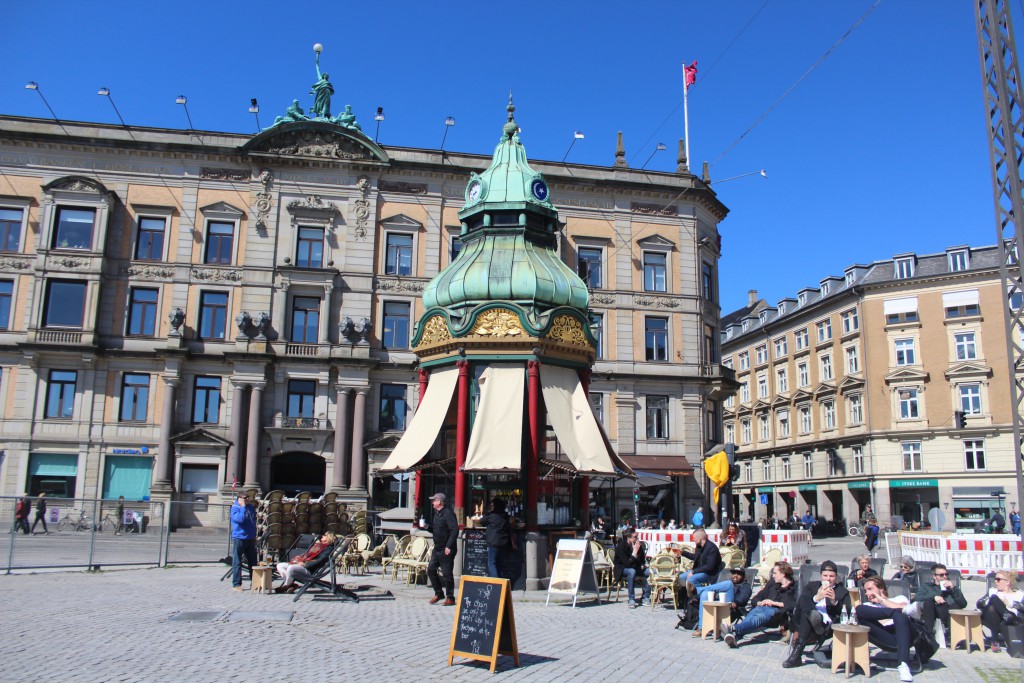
<point x="485" y="626"/>
<point x="510" y="564"/>
<point x="573" y="571"/>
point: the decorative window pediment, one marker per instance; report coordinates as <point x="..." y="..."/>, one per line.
<point x="656" y="243"/>
<point x="761" y="406"/>
<point x="222" y="210"/>
<point x="780" y="400"/>
<point x="905" y="375"/>
<point x="851" y="382"/>
<point x="401" y="223"/>
<point x="825" y="388"/>
<point x="968" y="370"/>
<point x="78" y="184"/>
<point x="199" y="437"/>
<point x="801" y="395"/>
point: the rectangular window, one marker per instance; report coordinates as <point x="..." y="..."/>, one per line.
<point x="65" y="303"/>
<point x="305" y="320"/>
<point x="73" y="228"/>
<point x="835" y="466"/>
<point x="911" y="456"/>
<point x="134" y="397"/>
<point x="766" y="469"/>
<point x="301" y="397"/>
<point x="707" y="281"/>
<point x="655" y="272"/>
<point x="781" y="381"/>
<point x="392" y="408"/>
<point x="966" y="349"/>
<point x="399" y="254"/>
<point x="783" y="424"/>
<point x="963" y="311"/>
<point x="597" y="327"/>
<point x="748" y="471"/>
<point x="396" y="325"/>
<point x="745" y="427"/>
<point x="656" y="336"/>
<point x="6" y="296"/>
<point x="787" y="469"/>
<point x="856" y="410"/>
<point x="826" y="367"/>
<point x="455" y="249"/>
<point x="597" y="406"/>
<point x="905" y="352"/>
<point x="958" y="261"/>
<point x="805" y="419"/>
<point x="808" y="466"/>
<point x="10" y="229"/>
<point x="745" y="392"/>
<point x="710" y="348"/>
<point x="852" y="359"/>
<point x="858" y="459"/>
<point x="764" y="427"/>
<point x="899" y="318"/>
<point x="824" y="330"/>
<point x="850" y="321"/>
<point x="213" y="315"/>
<point x="970" y="399"/>
<point x="908" y="404"/>
<point x="142" y="312"/>
<point x="762" y="386"/>
<point x="761" y="353"/>
<point x="828" y="409"/>
<point x="904" y="268"/>
<point x="802" y="341"/>
<point x="149" y="239"/>
<point x="781" y="347"/>
<point x="206" y="400"/>
<point x="974" y="454"/>
<point x="730" y="433"/>
<point x="589" y="266"/>
<point x="60" y="394"/>
<point x="744" y="361"/>
<point x="657" y="417"/>
<point x="803" y="374"/>
<point x="220" y="240"/>
<point x="309" y="252"/>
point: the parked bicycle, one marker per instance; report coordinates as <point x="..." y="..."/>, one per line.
<point x="71" y="523"/>
<point x="109" y="523"/>
<point x="855" y="530"/>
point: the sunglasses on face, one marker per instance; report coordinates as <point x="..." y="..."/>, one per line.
<point x="999" y="578"/>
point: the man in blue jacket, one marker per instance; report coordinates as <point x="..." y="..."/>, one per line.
<point x="243" y="536"/>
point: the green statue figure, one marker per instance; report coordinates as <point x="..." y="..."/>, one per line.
<point x="348" y="119"/>
<point x="322" y="91"/>
<point x="293" y="113"/>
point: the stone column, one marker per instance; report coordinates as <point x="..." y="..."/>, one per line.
<point x="252" y="452"/>
<point x="532" y="478"/>
<point x="461" y="442"/>
<point x="583" y="493"/>
<point x="358" y="482"/>
<point x="342" y="461"/>
<point x="164" y="457"/>
<point x="237" y="425"/>
<point x="424" y="378"/>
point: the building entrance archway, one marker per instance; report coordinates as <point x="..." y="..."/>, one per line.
<point x="298" y="471"/>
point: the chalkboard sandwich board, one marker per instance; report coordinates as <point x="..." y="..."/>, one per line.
<point x="485" y="626"/>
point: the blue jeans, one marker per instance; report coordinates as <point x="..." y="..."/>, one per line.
<point x="727" y="587"/>
<point x="629" y="573"/>
<point x="494" y="557"/>
<point x="758" y="617"/>
<point x="246" y="547"/>
<point x="695" y="580"/>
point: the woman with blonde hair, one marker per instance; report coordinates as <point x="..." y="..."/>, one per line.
<point x="1001" y="605"/>
<point x="298" y="568"/>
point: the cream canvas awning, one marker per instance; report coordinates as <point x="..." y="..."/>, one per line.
<point x="897" y="306"/>
<point x="496" y="444"/>
<point x="578" y="432"/>
<point x="426" y="423"/>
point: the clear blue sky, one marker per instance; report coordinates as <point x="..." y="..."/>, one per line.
<point x="880" y="150"/>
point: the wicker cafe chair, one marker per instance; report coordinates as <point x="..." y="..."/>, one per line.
<point x="400" y="549"/>
<point x="415" y="552"/>
<point x="732" y="556"/>
<point x="764" y="569"/>
<point x="663" y="578"/>
<point x="610" y="581"/>
<point x="375" y="555"/>
<point x="354" y="556"/>
<point x="274" y="496"/>
<point x="420" y="566"/>
<point x="601" y="565"/>
<point x="685" y="563"/>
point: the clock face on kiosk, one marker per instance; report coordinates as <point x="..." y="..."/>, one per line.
<point x="474" y="191"/>
<point x="539" y="189"/>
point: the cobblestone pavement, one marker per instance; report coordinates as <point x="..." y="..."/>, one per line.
<point x="114" y="626"/>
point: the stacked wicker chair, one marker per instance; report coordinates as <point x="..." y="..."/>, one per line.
<point x="280" y="521"/>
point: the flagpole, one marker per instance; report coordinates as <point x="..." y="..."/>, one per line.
<point x="686" y="117"/>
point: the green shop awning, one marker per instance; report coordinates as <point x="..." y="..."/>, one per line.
<point x="127" y="476"/>
<point x="808" y="487"/>
<point x="858" y="485"/>
<point x="912" y="483"/>
<point x="53" y="465"/>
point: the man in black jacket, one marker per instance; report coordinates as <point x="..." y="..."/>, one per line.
<point x="499" y="536"/>
<point x="631" y="562"/>
<point x="707" y="562"/>
<point x="821" y="604"/>
<point x="446" y="537"/>
<point x="938" y="597"/>
<point x="777" y="597"/>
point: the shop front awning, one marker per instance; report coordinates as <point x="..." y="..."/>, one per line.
<point x="665" y="465"/>
<point x="644" y="480"/>
<point x="578" y="432"/>
<point x="496" y="444"/>
<point x="425" y="424"/>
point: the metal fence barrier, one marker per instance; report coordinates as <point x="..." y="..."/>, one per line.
<point x="81" y="532"/>
<point x="197" y="532"/>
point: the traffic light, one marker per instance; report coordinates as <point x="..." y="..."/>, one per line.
<point x="636" y="495"/>
<point x="960" y="419"/>
<point x="734" y="468"/>
<point x="734" y="472"/>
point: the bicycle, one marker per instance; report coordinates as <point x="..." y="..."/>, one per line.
<point x="855" y="530"/>
<point x="109" y="522"/>
<point x="69" y="523"/>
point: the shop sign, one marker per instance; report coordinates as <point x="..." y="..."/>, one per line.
<point x="143" y="450"/>
<point x="764" y="489"/>
<point x="859" y="485"/>
<point x="912" y="483"/>
<point x="808" y="487"/>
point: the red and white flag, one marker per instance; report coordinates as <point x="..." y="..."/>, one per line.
<point x="691" y="73"/>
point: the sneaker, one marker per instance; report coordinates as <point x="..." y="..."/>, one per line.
<point x="436" y="599"/>
<point x="449" y="602"/>
<point x="632" y="605"/>
<point x="725" y="628"/>
<point x="904" y="671"/>
<point x="237" y="588"/>
<point x="730" y="639"/>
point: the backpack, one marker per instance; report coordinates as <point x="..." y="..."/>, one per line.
<point x="925" y="644"/>
<point x="691" y="614"/>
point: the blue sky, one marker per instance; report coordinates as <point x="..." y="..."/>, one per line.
<point x="880" y="150"/>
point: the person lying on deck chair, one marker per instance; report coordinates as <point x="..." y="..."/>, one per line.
<point x="295" y="570"/>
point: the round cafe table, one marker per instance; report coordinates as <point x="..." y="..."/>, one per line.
<point x="850" y="648"/>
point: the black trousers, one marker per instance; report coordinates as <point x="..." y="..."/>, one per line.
<point x="992" y="617"/>
<point x="930" y="610"/>
<point x="805" y="630"/>
<point x="896" y="637"/>
<point x="40" y="517"/>
<point x="446" y="565"/>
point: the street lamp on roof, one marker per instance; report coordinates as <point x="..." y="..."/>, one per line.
<point x="660" y="147"/>
<point x="576" y="135"/>
<point x="448" y="123"/>
<point x="378" y="117"/>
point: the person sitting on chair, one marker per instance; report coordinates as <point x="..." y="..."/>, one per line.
<point x="295" y="570"/>
<point x="777" y="597"/>
<point x="737" y="592"/>
<point x="937" y="597"/>
<point x="631" y="563"/>
<point x="863" y="570"/>
<point x="707" y="562"/>
<point x="889" y="626"/>
<point x="735" y="536"/>
<point x="820" y="605"/>
<point x="907" y="572"/>
<point x="1001" y="604"/>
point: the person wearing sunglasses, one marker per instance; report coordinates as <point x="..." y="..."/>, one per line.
<point x="907" y="572"/>
<point x="939" y="596"/>
<point x="1001" y="605"/>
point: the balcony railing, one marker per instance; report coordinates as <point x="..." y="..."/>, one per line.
<point x="302" y="422"/>
<point x="59" y="337"/>
<point x="308" y="350"/>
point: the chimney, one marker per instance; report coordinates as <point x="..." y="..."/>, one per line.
<point x="751" y="297"/>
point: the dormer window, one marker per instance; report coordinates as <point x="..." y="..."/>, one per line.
<point x="745" y="325"/>
<point x="903" y="267"/>
<point x="959" y="260"/>
<point x="782" y="308"/>
<point x="801" y="298"/>
<point x="763" y="317"/>
<point x="850" y="276"/>
<point x="824" y="288"/>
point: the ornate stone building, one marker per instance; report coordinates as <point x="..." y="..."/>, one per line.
<point x="181" y="311"/>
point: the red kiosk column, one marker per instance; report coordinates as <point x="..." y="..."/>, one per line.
<point x="531" y="481"/>
<point x="423" y="375"/>
<point x="461" y="442"/>
<point x="583" y="492"/>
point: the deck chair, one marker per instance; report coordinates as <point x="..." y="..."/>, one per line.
<point x="323" y="573"/>
<point x="302" y="544"/>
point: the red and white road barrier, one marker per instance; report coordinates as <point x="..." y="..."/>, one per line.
<point x="970" y="554"/>
<point x="795" y="545"/>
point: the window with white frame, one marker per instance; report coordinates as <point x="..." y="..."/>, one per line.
<point x="730" y="402"/>
<point x="803" y="374"/>
<point x="745" y="429"/>
<point x="966" y="348"/>
<point x="805" y="419"/>
<point x="745" y="391"/>
<point x="824" y="330"/>
<point x="801" y="298"/>
<point x="781" y="308"/>
<point x="850" y="321"/>
<point x="787" y="469"/>
<point x="959" y="260"/>
<point x="905" y="352"/>
<point x="766" y="469"/>
<point x="781" y="381"/>
<point x="727" y="362"/>
<point x="11" y="221"/>
<point x="762" y="354"/>
<point x="970" y="398"/>
<point x="852" y="359"/>
<point x="783" y="424"/>
<point x="808" y="466"/>
<point x="597" y="405"/>
<point x="835" y="465"/>
<point x="744" y="361"/>
<point x="398" y="254"/>
<point x="828" y="411"/>
<point x="903" y="268"/>
<point x="655" y="271"/>
<point x="730" y="432"/>
<point x="911" y="456"/>
<point x="850" y="277"/>
<point x="826" y="367"/>
<point x="824" y="288"/>
<point x="858" y="459"/>
<point x="588" y="266"/>
<point x="780" y="347"/>
<point x="763" y="317"/>
<point x="657" y="417"/>
<point x="802" y="340"/>
<point x="764" y="428"/>
<point x="656" y="338"/>
<point x="744" y="325"/>
<point x="762" y="385"/>
<point x="856" y="413"/>
<point x="73" y="228"/>
<point x="908" y="403"/>
<point x="974" y="454"/>
<point x="748" y="471"/>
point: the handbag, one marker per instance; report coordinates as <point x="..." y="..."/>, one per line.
<point x="925" y="644"/>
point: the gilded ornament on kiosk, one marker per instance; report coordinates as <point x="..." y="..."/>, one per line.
<point x="568" y="330"/>
<point x="435" y="331"/>
<point x="498" y="322"/>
